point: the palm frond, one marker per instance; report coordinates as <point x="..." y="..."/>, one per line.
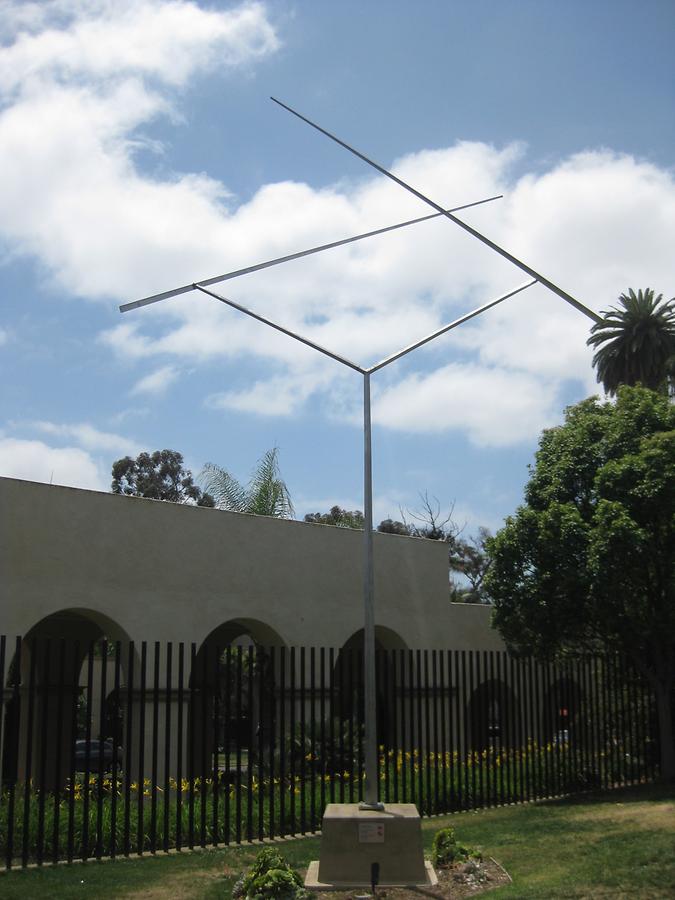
<point x="635" y="342"/>
<point x="226" y="491"/>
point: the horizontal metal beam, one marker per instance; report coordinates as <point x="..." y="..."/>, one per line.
<point x="453" y="324"/>
<point x="287" y="331"/>
<point x="472" y="231"/>
<point x="217" y="279"/>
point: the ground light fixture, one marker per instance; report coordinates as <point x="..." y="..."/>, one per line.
<point x="371" y="801"/>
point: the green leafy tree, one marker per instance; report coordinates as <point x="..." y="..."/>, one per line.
<point x="157" y="476"/>
<point x="393" y="526"/>
<point x="343" y="518"/>
<point x="266" y="493"/>
<point x="470" y="558"/>
<point x="588" y="562"/>
<point x="635" y="342"/>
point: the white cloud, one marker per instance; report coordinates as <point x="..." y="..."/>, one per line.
<point x="492" y="405"/>
<point x="613" y="214"/>
<point x="156" y="382"/>
<point x="596" y="223"/>
<point x="76" y="81"/>
<point x="37" y="461"/>
<point x="88" y="436"/>
<point x="100" y="39"/>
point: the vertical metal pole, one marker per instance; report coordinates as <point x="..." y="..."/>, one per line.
<point x="370" y="801"/>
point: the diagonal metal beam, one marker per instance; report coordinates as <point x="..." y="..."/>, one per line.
<point x="472" y="231"/>
<point x="287" y="331"/>
<point x="186" y="288"/>
<point x="449" y="327"/>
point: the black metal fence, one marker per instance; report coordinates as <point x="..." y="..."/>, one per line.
<point x="113" y="750"/>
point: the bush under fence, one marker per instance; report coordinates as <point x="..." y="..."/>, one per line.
<point x="114" y="750"/>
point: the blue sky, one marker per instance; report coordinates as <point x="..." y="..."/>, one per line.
<point x="139" y="150"/>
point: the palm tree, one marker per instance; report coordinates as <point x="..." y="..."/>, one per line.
<point x="635" y="342"/>
<point x="266" y="493"/>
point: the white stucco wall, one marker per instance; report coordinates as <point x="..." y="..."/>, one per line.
<point x="164" y="571"/>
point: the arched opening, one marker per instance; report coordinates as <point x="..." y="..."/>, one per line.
<point x="63" y="685"/>
<point x="347" y="685"/>
<point x="232" y="691"/>
<point x="491" y="710"/>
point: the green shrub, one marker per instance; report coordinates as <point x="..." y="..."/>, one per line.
<point x="446" y="850"/>
<point x="270" y="877"/>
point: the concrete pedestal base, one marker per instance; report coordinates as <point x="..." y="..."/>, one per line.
<point x="353" y="839"/>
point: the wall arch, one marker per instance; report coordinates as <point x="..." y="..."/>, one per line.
<point x="46" y="685"/>
<point x="492" y="708"/>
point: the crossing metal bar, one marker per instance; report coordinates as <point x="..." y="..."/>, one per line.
<point x="453" y="218"/>
<point x="248" y="270"/>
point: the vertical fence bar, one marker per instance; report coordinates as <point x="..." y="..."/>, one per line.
<point x="293" y="712"/>
<point x="227" y="740"/>
<point x="251" y="745"/>
<point x="526" y="731"/>
<point x="436" y="743"/>
<point x="102" y="694"/>
<point x="46" y="688"/>
<point x="215" y="753"/>
<point x="499" y="700"/>
<point x="629" y="718"/>
<point x="384" y="697"/>
<point x="582" y="767"/>
<point x="168" y="698"/>
<point x="447" y="735"/>
<point x="14" y="752"/>
<point x="115" y="769"/>
<point x="303" y="749"/>
<point x="331" y="681"/>
<point x="203" y="762"/>
<point x="359" y="702"/>
<point x="58" y="784"/>
<point x="404" y="767"/>
<point x="425" y="751"/>
<point x="412" y="729"/>
<point x="272" y="741"/>
<point x="238" y="781"/>
<point x="419" y="750"/>
<point x="262" y="727"/>
<point x="216" y="718"/>
<point x="467" y="795"/>
<point x="140" y="812"/>
<point x="481" y="700"/>
<point x="341" y="722"/>
<point x="634" y="707"/>
<point x="593" y="721"/>
<point x="475" y="801"/>
<point x="354" y="718"/>
<point x="87" y="752"/>
<point x="192" y="714"/>
<point x="589" y="717"/>
<point x="28" y="769"/>
<point x="322" y="727"/>
<point x="282" y="741"/>
<point x="395" y="742"/>
<point x="598" y="715"/>
<point x="609" y="719"/>
<point x="128" y="740"/>
<point x="179" y="745"/>
<point x="154" y="750"/>
<point x="312" y="737"/>
<point x="534" y="674"/>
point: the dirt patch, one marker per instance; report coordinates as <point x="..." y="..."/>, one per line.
<point x="461" y="880"/>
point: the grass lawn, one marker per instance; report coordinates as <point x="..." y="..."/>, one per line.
<point x="618" y="845"/>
